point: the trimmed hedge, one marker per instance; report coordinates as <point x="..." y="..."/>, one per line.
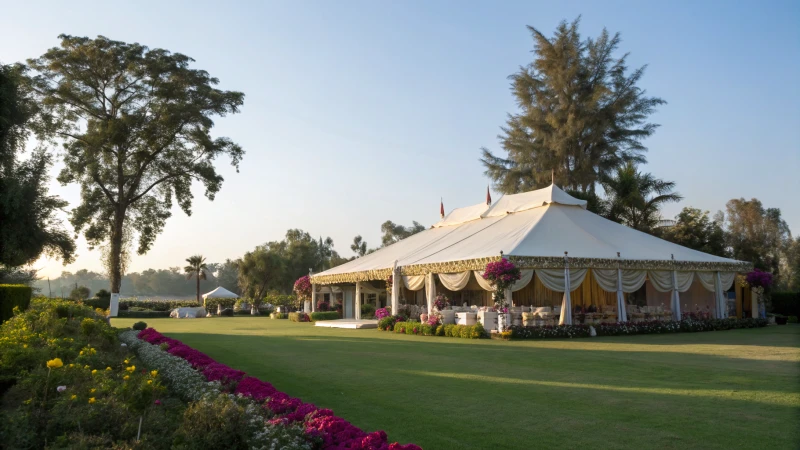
<point x="277" y="315"/>
<point x="157" y="305"/>
<point x="630" y="328"/>
<point x="11" y="296"/>
<point x="143" y="314"/>
<point x="299" y="317"/>
<point x="460" y="331"/>
<point x="324" y="315"/>
<point x="786" y="303"/>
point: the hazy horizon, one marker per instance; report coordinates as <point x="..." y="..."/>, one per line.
<point x="358" y="112"/>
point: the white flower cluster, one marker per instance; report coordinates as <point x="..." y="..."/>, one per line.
<point x="189" y="384"/>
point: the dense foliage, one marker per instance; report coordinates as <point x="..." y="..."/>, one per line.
<point x="581" y="114"/>
<point x="13" y="296"/>
<point x="430" y="329"/>
<point x="786" y="303"/>
<point x="323" y="315"/>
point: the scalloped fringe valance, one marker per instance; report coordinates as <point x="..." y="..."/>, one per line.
<point x="534" y="262"/>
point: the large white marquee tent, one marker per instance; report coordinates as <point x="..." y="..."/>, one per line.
<point x="550" y="236"/>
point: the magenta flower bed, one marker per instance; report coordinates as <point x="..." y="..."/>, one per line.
<point x="334" y="432"/>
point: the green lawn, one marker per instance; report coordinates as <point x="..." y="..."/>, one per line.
<point x="728" y="389"/>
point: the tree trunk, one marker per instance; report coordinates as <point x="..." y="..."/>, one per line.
<point x="115" y="264"/>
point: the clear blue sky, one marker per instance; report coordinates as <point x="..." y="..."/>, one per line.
<point x="359" y="112"/>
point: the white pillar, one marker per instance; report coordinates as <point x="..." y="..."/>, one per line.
<point x="622" y="313"/>
<point x="430" y="291"/>
<point x="566" y="303"/>
<point x="509" y="297"/>
<point x="395" y="288"/>
<point x="357" y="302"/>
<point x="676" y="298"/>
<point x="313" y="298"/>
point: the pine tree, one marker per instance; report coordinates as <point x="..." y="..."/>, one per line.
<point x="581" y="115"/>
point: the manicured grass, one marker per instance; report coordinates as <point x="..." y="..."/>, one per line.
<point x="727" y="389"/>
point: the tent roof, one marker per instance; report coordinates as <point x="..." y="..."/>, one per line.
<point x="220" y="292"/>
<point x="535" y="229"/>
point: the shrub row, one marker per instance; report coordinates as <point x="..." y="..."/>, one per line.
<point x="324" y="315"/>
<point x="277" y="315"/>
<point x="299" y="317"/>
<point x="13" y="296"/>
<point x="460" y="331"/>
<point x="320" y="426"/>
<point x="630" y="328"/>
<point x="157" y="305"/>
<point x="143" y="314"/>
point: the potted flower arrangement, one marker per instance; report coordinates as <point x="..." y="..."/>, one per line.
<point x="502" y="275"/>
<point x="759" y="282"/>
<point x="302" y="287"/>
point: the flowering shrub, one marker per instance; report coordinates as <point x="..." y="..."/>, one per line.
<point x="323" y="306"/>
<point x="302" y="287"/>
<point x="380" y="313"/>
<point x="318" y="425"/>
<point x="299" y="317"/>
<point x="758" y="278"/>
<point x="387" y="323"/>
<point x="629" y="328"/>
<point x="502" y="275"/>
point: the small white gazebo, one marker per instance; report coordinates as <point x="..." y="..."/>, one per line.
<point x="219" y="292"/>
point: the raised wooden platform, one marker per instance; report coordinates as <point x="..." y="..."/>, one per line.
<point x="352" y="324"/>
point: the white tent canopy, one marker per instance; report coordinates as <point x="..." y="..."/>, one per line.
<point x="220" y="292"/>
<point x="544" y="230"/>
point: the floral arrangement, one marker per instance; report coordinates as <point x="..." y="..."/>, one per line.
<point x="387" y="323"/>
<point x="302" y="287"/>
<point x="389" y="281"/>
<point x="319" y="425"/>
<point x="440" y="302"/>
<point x="380" y="313"/>
<point x="502" y="275"/>
<point x="758" y="278"/>
<point x="323" y="306"/>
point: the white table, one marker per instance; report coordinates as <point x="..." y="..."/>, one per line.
<point x="488" y="319"/>
<point x="466" y="318"/>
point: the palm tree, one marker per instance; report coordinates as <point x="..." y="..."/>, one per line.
<point x="197" y="268"/>
<point x="634" y="198"/>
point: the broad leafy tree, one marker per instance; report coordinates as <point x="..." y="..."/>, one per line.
<point x="393" y="232"/>
<point x="581" y="114"/>
<point x="196" y="269"/>
<point x="694" y="229"/>
<point x="29" y="226"/>
<point x="136" y="127"/>
<point x="80" y="293"/>
<point x="260" y="271"/>
<point x="757" y="234"/>
<point x="635" y="198"/>
<point x="227" y="274"/>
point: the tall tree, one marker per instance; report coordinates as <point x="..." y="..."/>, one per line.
<point x="197" y="268"/>
<point x="393" y="232"/>
<point x="135" y="123"/>
<point x="260" y="271"/>
<point x="359" y="246"/>
<point x="227" y="274"/>
<point x="29" y="226"/>
<point x="300" y="252"/>
<point x="635" y="198"/>
<point x="694" y="229"/>
<point x="582" y="114"/>
<point x="757" y="234"/>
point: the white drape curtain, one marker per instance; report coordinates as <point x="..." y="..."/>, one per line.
<point x="566" y="303"/>
<point x="718" y="283"/>
<point x="526" y="275"/>
<point x="430" y="290"/>
<point x="414" y="282"/>
<point x="632" y="280"/>
<point x="674" y="282"/>
<point x="708" y="280"/>
<point x="555" y="279"/>
<point x="484" y="284"/>
<point x="455" y="281"/>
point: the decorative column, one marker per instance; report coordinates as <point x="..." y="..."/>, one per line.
<point x="313" y="292"/>
<point x="722" y="307"/>
<point x="566" y="303"/>
<point x="395" y="287"/>
<point x="430" y="290"/>
<point x="357" y="302"/>
<point x="622" y="312"/>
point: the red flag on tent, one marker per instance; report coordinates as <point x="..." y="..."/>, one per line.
<point x="488" y="196"/>
<point x="441" y="208"/>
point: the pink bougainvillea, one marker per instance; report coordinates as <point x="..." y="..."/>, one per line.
<point x="758" y="278"/>
<point x="302" y="287"/>
<point x="335" y="432"/>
